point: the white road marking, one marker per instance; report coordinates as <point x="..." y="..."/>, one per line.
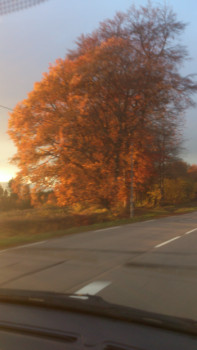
<point x="93" y="288"/>
<point x="27" y="245"/>
<point x="148" y="221"/>
<point x="83" y="297"/>
<point x="187" y="233"/>
<point x="3" y="251"/>
<point x="109" y="228"/>
<point x="166" y="242"/>
<point x="21" y="246"/>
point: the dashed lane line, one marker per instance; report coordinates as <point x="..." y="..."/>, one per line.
<point x="91" y="289"/>
<point x="171" y="240"/>
<point x="166" y="242"/>
<point x="187" y="233"/>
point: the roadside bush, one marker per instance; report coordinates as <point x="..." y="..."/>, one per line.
<point x="177" y="191"/>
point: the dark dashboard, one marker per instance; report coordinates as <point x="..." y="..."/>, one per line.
<point x="36" y="322"/>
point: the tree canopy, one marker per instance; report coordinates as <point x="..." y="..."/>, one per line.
<point x="107" y="117"/>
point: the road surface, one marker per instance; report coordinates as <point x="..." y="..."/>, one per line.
<point x="151" y="265"/>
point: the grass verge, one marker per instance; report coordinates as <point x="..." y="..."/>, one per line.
<point x="18" y="228"/>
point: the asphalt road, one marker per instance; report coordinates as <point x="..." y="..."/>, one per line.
<point x="149" y="265"/>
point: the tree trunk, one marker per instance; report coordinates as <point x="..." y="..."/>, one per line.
<point x="131" y="211"/>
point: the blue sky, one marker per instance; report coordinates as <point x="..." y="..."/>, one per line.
<point x="32" y="38"/>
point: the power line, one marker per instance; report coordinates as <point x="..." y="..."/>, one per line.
<point x="9" y="109"/>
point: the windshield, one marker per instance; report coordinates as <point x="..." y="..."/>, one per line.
<point x="98" y="166"/>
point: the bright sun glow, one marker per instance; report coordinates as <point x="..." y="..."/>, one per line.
<point x="6" y="174"/>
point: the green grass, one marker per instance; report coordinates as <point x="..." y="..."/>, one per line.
<point x="28" y="226"/>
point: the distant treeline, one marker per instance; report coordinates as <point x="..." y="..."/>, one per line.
<point x="179" y="186"/>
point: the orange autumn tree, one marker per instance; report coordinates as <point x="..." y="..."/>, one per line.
<point x="90" y="130"/>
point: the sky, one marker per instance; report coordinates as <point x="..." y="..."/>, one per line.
<point x="32" y="39"/>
